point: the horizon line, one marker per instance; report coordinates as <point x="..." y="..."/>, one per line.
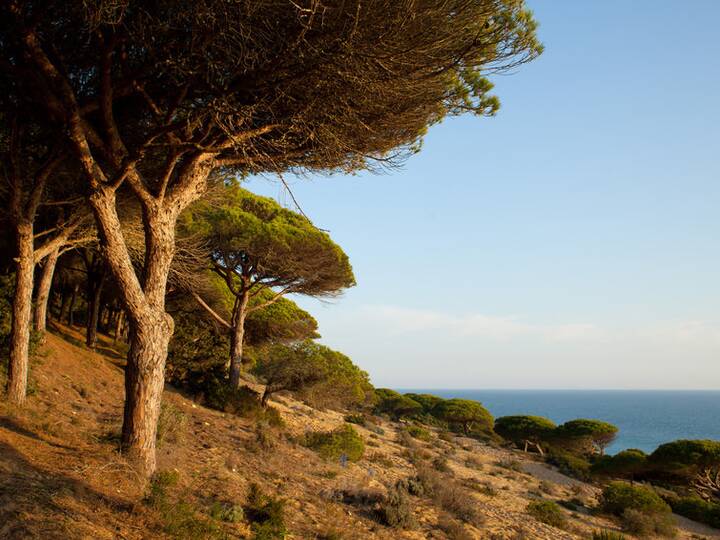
<point x="559" y="389"/>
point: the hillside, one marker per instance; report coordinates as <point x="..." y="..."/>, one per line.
<point x="61" y="475"/>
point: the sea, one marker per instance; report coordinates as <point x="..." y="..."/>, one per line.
<point x="646" y="418"/>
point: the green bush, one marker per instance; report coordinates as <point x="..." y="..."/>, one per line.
<point x="395" y="404"/>
<point x="685" y="458"/>
<point x="228" y="512"/>
<point x="395" y="510"/>
<point x="547" y="512"/>
<point x="266" y="515"/>
<point x="243" y="402"/>
<point x="619" y="496"/>
<point x="333" y="444"/>
<point x="426" y="401"/>
<point x="179" y="518"/>
<point x="172" y="424"/>
<point x="419" y="433"/>
<point x="625" y="464"/>
<point x="648" y="524"/>
<point x="358" y="419"/>
<point x="568" y="463"/>
<point x="697" y="509"/>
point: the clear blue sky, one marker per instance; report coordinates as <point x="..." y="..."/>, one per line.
<point x="573" y="241"/>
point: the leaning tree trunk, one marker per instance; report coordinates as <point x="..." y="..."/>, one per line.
<point x="94" y="312"/>
<point x="21" y="314"/>
<point x="237" y="338"/>
<point x="43" y="293"/>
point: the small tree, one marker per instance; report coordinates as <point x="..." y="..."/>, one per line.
<point x="427" y="401"/>
<point x="584" y="435"/>
<point x="468" y="414"/>
<point x="625" y="464"/>
<point x="694" y="461"/>
<point x="257" y="247"/>
<point x="526" y="430"/>
<point x="299" y="366"/>
<point x="395" y="404"/>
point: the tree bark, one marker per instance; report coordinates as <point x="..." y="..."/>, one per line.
<point x="43" y="293"/>
<point x="71" y="307"/>
<point x="63" y="304"/>
<point x="94" y="312"/>
<point x="237" y="338"/>
<point x="119" y="320"/>
<point x="22" y="310"/>
<point x="150" y="326"/>
<point x="144" y="382"/>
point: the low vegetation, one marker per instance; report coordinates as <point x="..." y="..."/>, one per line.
<point x="547" y="512"/>
<point x="343" y="442"/>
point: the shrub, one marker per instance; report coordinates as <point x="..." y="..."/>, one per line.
<point x="568" y="463"/>
<point x="227" y="511"/>
<point x="395" y="510"/>
<point x="426" y="401"/>
<point x="395" y="404"/>
<point x="625" y="464"/>
<point x="474" y="463"/>
<point x="358" y="419"/>
<point x="172" y="424"/>
<point x="547" y="512"/>
<point x="686" y="458"/>
<point x="453" y="528"/>
<point x="619" y="496"/>
<point x="440" y="464"/>
<point x="449" y="495"/>
<point x="646" y="524"/>
<point x="266" y="515"/>
<point x="243" y="402"/>
<point x="697" y="509"/>
<point x="419" y="433"/>
<point x="413" y="485"/>
<point x="179" y="518"/>
<point x="333" y="444"/>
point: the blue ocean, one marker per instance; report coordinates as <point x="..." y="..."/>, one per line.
<point x="646" y="418"/>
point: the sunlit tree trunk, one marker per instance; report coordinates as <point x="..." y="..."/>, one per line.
<point x="237" y="337"/>
<point x="22" y="310"/>
<point x="43" y="293"/>
<point x="94" y="314"/>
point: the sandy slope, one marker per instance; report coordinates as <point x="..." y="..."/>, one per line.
<point x="62" y="477"/>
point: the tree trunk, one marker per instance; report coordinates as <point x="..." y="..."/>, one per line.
<point x="236" y="339"/>
<point x="94" y="312"/>
<point x="63" y="304"/>
<point x="144" y="382"/>
<point x="22" y="310"/>
<point x="150" y="326"/>
<point x="43" y="293"/>
<point x="71" y="308"/>
<point x="118" y="326"/>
